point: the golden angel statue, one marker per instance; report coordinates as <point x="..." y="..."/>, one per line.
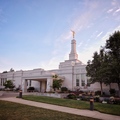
<point x="73" y="32"/>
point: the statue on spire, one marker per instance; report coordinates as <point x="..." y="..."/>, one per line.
<point x="73" y="32"/>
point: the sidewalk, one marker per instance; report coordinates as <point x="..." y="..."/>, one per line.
<point x="88" y="113"/>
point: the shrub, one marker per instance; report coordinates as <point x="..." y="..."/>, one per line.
<point x="64" y="89"/>
<point x="117" y="101"/>
<point x="76" y="92"/>
<point x="112" y="91"/>
<point x="85" y="98"/>
<point x="9" y="84"/>
<point x="97" y="98"/>
<point x="31" y="89"/>
<point x="71" y="96"/>
<point x="97" y="92"/>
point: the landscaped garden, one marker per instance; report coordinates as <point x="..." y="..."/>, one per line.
<point x="15" y="111"/>
<point x="79" y="104"/>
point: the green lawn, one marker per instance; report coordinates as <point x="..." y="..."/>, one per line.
<point x="105" y="108"/>
<point x="15" y="111"/>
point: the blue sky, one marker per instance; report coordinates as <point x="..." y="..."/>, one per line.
<point x="37" y="33"/>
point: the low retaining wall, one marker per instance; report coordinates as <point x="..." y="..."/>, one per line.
<point x="1" y="94"/>
<point x="56" y="95"/>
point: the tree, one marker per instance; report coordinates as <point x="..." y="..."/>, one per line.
<point x="96" y="68"/>
<point x="107" y="69"/>
<point x="9" y="84"/>
<point x="4" y="72"/>
<point x="105" y="66"/>
<point x="11" y="70"/>
<point x="57" y="82"/>
<point x="113" y="46"/>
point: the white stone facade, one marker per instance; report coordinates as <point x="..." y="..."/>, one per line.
<point x="73" y="71"/>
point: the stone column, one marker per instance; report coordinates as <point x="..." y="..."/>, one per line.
<point x="24" y="85"/>
<point x="49" y="84"/>
<point x="43" y="86"/>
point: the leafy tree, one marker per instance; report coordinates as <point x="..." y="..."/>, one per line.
<point x="4" y="72"/>
<point x="113" y="47"/>
<point x="11" y="70"/>
<point x="96" y="68"/>
<point x="9" y="84"/>
<point x="105" y="66"/>
<point x="57" y="82"/>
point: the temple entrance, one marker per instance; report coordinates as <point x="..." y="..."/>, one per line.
<point x="40" y="84"/>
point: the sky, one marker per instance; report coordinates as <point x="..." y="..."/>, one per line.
<point x="37" y="33"/>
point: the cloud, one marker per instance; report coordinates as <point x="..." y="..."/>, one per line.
<point x="80" y="20"/>
<point x="106" y="36"/>
<point x="99" y="34"/>
<point x="114" y="2"/>
<point x="66" y="36"/>
<point x="80" y="44"/>
<point x="110" y="10"/>
<point x="90" y="25"/>
<point x="118" y="10"/>
<point x="53" y="63"/>
<point x="87" y="53"/>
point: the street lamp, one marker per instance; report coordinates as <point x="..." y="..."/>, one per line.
<point x="73" y="64"/>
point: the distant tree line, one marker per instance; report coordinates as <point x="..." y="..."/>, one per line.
<point x="11" y="70"/>
<point x="105" y="65"/>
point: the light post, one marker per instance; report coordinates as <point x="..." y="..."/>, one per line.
<point x="72" y="63"/>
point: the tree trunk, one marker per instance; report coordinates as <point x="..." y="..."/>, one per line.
<point x="101" y="88"/>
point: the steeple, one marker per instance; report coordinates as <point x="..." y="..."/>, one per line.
<point x="73" y="55"/>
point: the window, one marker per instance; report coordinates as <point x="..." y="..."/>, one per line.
<point x="83" y="79"/>
<point x="83" y="82"/>
<point x="3" y="80"/>
<point x="77" y="82"/>
<point x="88" y="82"/>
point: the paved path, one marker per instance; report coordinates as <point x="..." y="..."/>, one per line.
<point x="88" y="113"/>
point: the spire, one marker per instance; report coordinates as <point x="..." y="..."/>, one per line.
<point x="73" y="55"/>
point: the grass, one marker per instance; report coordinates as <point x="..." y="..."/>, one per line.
<point x="15" y="111"/>
<point x="104" y="108"/>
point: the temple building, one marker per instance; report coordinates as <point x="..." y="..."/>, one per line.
<point x="73" y="71"/>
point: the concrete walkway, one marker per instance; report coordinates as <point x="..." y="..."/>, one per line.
<point x="87" y="113"/>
